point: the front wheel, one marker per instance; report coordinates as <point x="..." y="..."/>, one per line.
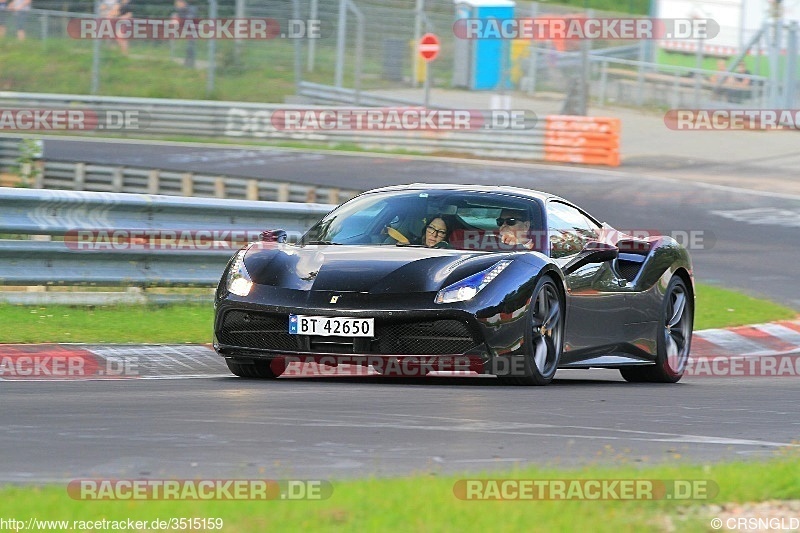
<point x="544" y="337"/>
<point x="674" y="338"/>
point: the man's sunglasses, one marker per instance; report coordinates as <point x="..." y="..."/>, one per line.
<point x="510" y="221"/>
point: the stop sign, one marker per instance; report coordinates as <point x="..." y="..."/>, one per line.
<point x="428" y="46"/>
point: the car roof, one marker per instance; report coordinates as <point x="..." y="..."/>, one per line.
<point x="501" y="189"/>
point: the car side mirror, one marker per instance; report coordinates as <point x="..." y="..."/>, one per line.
<point x="592" y="252"/>
<point x="273" y="235"/>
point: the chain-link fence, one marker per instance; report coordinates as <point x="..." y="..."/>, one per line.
<point x="370" y="46"/>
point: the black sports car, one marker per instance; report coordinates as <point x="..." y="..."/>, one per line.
<point x="498" y="280"/>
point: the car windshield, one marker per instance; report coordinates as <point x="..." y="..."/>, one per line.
<point x="460" y="220"/>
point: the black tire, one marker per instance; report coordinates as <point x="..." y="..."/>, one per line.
<point x="674" y="340"/>
<point x="251" y="370"/>
<point x="544" y="336"/>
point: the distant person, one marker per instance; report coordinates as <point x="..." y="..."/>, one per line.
<point x="741" y="87"/>
<point x="714" y="79"/>
<point x="115" y="10"/>
<point x="3" y="15"/>
<point x="186" y="11"/>
<point x="436" y="234"/>
<point x="21" y="8"/>
<point x="125" y="12"/>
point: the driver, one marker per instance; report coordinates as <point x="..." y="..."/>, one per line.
<point x="514" y="228"/>
<point x="436" y="234"/>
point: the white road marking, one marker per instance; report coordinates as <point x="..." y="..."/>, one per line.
<point x="763" y="216"/>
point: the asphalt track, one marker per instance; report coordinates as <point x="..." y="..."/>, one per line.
<point x="219" y="426"/>
<point x="738" y="238"/>
<point x="327" y="428"/>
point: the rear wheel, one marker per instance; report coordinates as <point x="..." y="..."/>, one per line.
<point x="252" y="370"/>
<point x="674" y="338"/>
<point x="544" y="338"/>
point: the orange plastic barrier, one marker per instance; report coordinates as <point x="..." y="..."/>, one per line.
<point x="578" y="139"/>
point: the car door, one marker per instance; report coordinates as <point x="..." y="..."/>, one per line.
<point x="596" y="300"/>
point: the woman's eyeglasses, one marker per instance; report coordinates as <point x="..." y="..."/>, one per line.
<point x="438" y="232"/>
<point x="510" y="221"/>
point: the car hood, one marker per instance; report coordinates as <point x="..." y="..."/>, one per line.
<point x="370" y="269"/>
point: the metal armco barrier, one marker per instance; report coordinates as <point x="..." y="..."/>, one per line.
<point x="57" y="216"/>
<point x="241" y="120"/>
<point x="87" y="177"/>
<point x="78" y="176"/>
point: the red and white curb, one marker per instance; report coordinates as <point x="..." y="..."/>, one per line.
<point x="761" y="350"/>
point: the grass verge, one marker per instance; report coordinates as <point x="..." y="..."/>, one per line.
<point x="426" y="502"/>
<point x="721" y="308"/>
<point x="716" y="308"/>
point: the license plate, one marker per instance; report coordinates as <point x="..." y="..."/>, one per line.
<point x="328" y="326"/>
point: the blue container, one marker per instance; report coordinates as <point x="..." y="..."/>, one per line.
<point x="482" y="64"/>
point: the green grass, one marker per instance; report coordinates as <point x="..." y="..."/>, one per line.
<point x="719" y="308"/>
<point x="426" y="502"/>
<point x="679" y="59"/>
<point x="193" y="322"/>
<point x="118" y="323"/>
<point x="264" y="71"/>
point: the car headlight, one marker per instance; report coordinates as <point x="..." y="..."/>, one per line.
<point x="467" y="288"/>
<point x="239" y="282"/>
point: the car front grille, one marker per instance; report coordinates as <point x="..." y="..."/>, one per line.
<point x="257" y="330"/>
<point x="266" y="331"/>
<point x="425" y="338"/>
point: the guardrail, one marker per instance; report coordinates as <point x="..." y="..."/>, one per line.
<point x="57" y="256"/>
<point x="78" y="176"/>
<point x="238" y="120"/>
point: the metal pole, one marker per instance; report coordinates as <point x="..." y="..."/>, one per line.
<point x="95" y="86"/>
<point x="312" y="43"/>
<point x="340" y="43"/>
<point x="533" y="53"/>
<point x="640" y="74"/>
<point x="586" y="45"/>
<point x="418" y="13"/>
<point x="359" y="47"/>
<point x="774" y="56"/>
<point x="427" y="84"/>
<point x="603" y="81"/>
<point x="237" y="44"/>
<point x="212" y="51"/>
<point x="698" y="80"/>
<point x="45" y="23"/>
<point x="298" y="50"/>
<point x="790" y="74"/>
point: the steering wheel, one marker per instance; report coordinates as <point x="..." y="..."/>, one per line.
<point x="396" y="235"/>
